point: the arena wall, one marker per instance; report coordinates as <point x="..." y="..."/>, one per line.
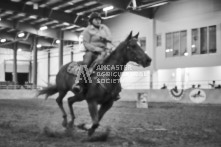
<point x="213" y="96"/>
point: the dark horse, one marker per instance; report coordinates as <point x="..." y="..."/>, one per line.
<point x="98" y="92"/>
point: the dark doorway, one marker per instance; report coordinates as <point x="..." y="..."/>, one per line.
<point x="8" y="76"/>
<point x="22" y="77"/>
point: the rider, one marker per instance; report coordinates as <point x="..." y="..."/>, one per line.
<point x="95" y="39"/>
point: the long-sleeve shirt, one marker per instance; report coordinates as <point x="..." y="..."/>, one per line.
<point x="92" y="40"/>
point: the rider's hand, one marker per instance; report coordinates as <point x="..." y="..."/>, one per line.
<point x="98" y="49"/>
<point x="103" y="39"/>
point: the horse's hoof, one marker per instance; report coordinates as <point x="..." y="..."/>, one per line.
<point x="85" y="127"/>
<point x="64" y="124"/>
<point x="71" y="124"/>
<point x="90" y="132"/>
<point x="82" y="127"/>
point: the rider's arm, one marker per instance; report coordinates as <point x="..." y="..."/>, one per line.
<point x="108" y="35"/>
<point x="87" y="44"/>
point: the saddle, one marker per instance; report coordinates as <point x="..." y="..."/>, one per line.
<point x="74" y="67"/>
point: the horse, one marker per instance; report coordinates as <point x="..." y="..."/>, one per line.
<point x="98" y="92"/>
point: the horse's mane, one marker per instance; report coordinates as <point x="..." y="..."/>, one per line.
<point x="116" y="51"/>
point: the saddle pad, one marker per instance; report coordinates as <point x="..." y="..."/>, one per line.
<point x="73" y="68"/>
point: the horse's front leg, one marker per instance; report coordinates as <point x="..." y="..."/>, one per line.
<point x="92" y="106"/>
<point x="104" y="108"/>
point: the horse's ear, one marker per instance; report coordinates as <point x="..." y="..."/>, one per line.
<point x="129" y="36"/>
<point x="136" y="36"/>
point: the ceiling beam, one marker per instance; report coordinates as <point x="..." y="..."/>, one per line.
<point x="44" y="12"/>
<point x="32" y="29"/>
<point x="120" y="4"/>
<point x="123" y="4"/>
<point x="59" y="3"/>
<point x="72" y="6"/>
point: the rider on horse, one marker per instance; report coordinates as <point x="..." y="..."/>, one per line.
<point x="95" y="39"/>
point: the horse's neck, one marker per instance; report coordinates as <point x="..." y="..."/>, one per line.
<point x="117" y="58"/>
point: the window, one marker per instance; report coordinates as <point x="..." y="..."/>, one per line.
<point x="142" y="42"/>
<point x="195" y="42"/>
<point x="212" y="39"/>
<point x="169" y="45"/>
<point x="176" y="44"/>
<point x="158" y="40"/>
<point x="204" y="40"/>
<point x="183" y="43"/>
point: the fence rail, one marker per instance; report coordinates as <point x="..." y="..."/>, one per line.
<point x="137" y="85"/>
<point x="12" y="85"/>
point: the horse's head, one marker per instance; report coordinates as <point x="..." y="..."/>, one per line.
<point x="134" y="52"/>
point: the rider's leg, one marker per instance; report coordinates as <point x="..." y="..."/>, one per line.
<point x="97" y="61"/>
<point x="88" y="57"/>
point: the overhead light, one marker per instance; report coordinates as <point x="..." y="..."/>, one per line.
<point x="21" y="14"/>
<point x="39" y="45"/>
<point x="21" y="34"/>
<point x="29" y="3"/>
<point x="43" y="28"/>
<point x="19" y="49"/>
<point x="193" y="45"/>
<point x="66" y="23"/>
<point x="15" y="0"/>
<point x="3" y="40"/>
<point x="159" y="4"/>
<point x="68" y="11"/>
<point x="108" y="8"/>
<point x="185" y="54"/>
<point x="33" y="17"/>
<point x="57" y="41"/>
<point x="0" y="18"/>
<point x="35" y="6"/>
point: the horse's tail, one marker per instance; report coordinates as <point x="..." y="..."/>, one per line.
<point x="48" y="91"/>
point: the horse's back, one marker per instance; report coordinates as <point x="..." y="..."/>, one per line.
<point x="64" y="79"/>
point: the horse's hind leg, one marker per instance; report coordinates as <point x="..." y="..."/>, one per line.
<point x="92" y="105"/>
<point x="60" y="104"/>
<point x="71" y="101"/>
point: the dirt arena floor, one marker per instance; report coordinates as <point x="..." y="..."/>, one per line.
<point x="37" y="123"/>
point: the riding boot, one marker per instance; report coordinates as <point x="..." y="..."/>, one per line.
<point x="77" y="87"/>
<point x="92" y="67"/>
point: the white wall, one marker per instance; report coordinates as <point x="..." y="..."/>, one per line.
<point x="42" y="70"/>
<point x="175" y="16"/>
<point x="120" y="27"/>
<point x="186" y="15"/>
<point x="42" y="75"/>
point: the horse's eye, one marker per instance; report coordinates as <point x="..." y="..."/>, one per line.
<point x="133" y="46"/>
